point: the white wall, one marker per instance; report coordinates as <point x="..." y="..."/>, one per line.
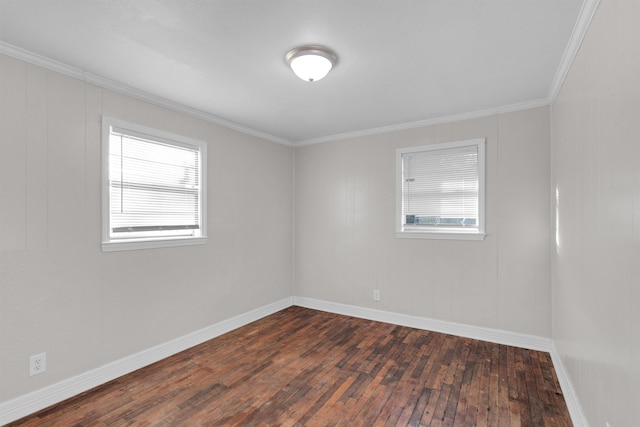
<point x="60" y="294"/>
<point x="345" y="244"/>
<point x="596" y="168"/>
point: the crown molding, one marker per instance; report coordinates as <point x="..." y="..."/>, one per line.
<point x="96" y="80"/>
<point x="585" y="16"/>
<point x="587" y="11"/>
<point x="428" y="122"/>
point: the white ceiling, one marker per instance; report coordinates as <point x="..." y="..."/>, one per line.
<point x="400" y="63"/>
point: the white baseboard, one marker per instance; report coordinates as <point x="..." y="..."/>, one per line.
<point x="570" y="397"/>
<point x="530" y="342"/>
<point x="27" y="404"/>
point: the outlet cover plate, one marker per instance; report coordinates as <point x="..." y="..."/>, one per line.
<point x="37" y="364"/>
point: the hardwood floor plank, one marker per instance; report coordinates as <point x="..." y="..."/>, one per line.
<point x="430" y="409"/>
<point x="418" y="410"/>
<point x="302" y="367"/>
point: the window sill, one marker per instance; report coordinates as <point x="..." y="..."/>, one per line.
<point x="444" y="235"/>
<point x="133" y="245"/>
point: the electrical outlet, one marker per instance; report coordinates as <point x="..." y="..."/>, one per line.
<point x="376" y="295"/>
<point x="607" y="424"/>
<point x="37" y="364"/>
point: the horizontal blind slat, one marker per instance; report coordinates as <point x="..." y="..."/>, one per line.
<point x="154" y="185"/>
<point x="441" y="184"/>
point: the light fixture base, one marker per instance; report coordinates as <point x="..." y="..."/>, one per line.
<point x="311" y="63"/>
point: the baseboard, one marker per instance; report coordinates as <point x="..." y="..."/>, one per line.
<point x="570" y="397"/>
<point x="530" y="342"/>
<point x="24" y="405"/>
<point x="27" y="404"/>
<point x="492" y="335"/>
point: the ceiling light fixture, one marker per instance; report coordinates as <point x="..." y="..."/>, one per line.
<point x="311" y="63"/>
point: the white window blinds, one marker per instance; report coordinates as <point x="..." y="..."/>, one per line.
<point x="154" y="187"/>
<point x="440" y="188"/>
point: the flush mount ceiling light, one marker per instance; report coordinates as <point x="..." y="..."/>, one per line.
<point x="311" y="63"/>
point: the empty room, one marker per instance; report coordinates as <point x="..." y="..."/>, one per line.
<point x="434" y="218"/>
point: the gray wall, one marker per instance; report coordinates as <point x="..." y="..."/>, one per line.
<point x="596" y="264"/>
<point x="60" y="294"/>
<point x="345" y="234"/>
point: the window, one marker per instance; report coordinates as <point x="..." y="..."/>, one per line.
<point x="440" y="191"/>
<point x="153" y="188"/>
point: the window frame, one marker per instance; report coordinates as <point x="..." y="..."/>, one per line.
<point x="110" y="244"/>
<point x="434" y="233"/>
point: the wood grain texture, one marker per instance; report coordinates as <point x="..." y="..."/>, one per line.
<point x="301" y="367"/>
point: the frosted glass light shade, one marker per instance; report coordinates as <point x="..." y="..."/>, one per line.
<point x="311" y="67"/>
<point x="311" y="63"/>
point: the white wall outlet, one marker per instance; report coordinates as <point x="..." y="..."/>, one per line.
<point x="37" y="364"/>
<point x="376" y="295"/>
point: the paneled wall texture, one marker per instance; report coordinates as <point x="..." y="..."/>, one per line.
<point x="561" y="258"/>
<point x="345" y="234"/>
<point x="596" y="257"/>
<point x="60" y="294"/>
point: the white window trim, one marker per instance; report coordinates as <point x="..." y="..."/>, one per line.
<point x="109" y="245"/>
<point x="445" y="234"/>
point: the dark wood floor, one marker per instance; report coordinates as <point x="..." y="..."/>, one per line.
<point x="309" y="368"/>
